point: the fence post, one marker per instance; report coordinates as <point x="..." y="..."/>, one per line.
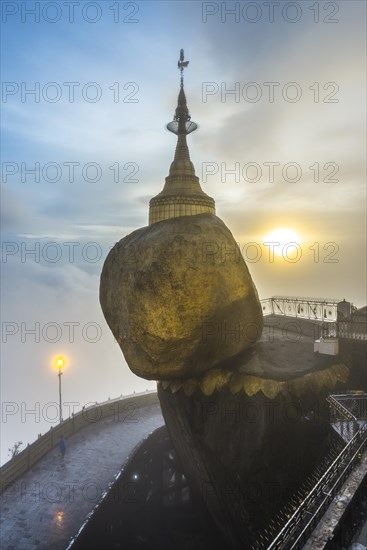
<point x="28" y="456"/>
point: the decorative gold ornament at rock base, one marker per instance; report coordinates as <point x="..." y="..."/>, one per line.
<point x="216" y="379"/>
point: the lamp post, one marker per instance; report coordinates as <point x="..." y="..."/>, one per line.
<point x="60" y="363"/>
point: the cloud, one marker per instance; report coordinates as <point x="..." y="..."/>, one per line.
<point x="108" y="132"/>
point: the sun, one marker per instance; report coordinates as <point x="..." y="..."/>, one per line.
<point x="286" y="239"/>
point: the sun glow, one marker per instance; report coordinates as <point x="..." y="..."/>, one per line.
<point x="283" y="240"/>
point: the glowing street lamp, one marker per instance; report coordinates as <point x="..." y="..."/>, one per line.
<point x="60" y="363"/>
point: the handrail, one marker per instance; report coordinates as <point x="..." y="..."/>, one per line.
<point x="328" y="301"/>
<point x="328" y="496"/>
<point x="340" y="408"/>
<point x="304" y="308"/>
<point x="320" y="310"/>
<point x="289" y="529"/>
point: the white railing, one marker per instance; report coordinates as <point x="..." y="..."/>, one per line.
<point x="305" y="308"/>
<point x="317" y="309"/>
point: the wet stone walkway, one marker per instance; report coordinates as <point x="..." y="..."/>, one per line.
<point x="45" y="507"/>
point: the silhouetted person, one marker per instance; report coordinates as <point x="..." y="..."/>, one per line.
<point x="62" y="446"/>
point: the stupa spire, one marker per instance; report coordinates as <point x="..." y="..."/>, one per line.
<point x="182" y="194"/>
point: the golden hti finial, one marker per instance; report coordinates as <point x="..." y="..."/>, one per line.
<point x="182" y="194"/>
<point x="182" y="64"/>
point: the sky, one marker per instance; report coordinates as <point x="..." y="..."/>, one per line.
<point x="278" y="91"/>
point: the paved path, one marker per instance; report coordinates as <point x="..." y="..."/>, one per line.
<point x="47" y="505"/>
<point x="360" y="540"/>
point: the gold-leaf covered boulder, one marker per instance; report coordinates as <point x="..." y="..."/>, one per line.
<point x="179" y="298"/>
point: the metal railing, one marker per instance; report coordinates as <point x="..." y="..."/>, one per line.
<point x="317" y="309"/>
<point x="352" y="330"/>
<point x="355" y="402"/>
<point x="339" y="407"/>
<point x="299" y="526"/>
<point x="295" y="532"/>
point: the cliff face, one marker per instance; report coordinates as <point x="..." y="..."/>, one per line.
<point x="354" y="354"/>
<point x="244" y="457"/>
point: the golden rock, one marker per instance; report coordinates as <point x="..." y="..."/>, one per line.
<point x="179" y="298"/>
